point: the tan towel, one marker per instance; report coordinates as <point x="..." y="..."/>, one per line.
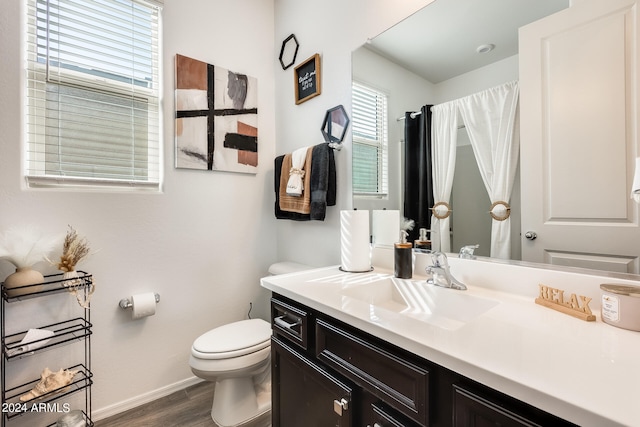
<point x="290" y="203"/>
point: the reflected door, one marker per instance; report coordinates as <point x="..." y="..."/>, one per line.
<point x="579" y="91"/>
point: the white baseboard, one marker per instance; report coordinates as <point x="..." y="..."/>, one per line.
<point x="136" y="401"/>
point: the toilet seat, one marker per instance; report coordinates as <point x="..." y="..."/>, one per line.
<point x="233" y="340"/>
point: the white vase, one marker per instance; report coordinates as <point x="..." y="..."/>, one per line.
<point x="24" y="276"/>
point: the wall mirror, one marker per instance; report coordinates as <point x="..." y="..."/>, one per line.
<point x="335" y="124"/>
<point x="447" y="50"/>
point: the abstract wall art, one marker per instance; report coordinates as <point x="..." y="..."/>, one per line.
<point x="216" y="118"/>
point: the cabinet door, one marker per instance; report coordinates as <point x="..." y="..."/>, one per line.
<point x="304" y="394"/>
<point x="472" y="410"/>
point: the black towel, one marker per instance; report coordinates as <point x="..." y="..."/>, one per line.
<point x="322" y="183"/>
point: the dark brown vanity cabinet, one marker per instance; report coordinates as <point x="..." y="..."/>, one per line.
<point x="326" y="373"/>
<point x="306" y="393"/>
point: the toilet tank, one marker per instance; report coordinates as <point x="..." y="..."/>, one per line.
<point x="287" y="267"/>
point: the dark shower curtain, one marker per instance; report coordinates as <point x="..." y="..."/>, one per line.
<point x="418" y="181"/>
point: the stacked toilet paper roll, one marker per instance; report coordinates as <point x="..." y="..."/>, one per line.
<point x="355" y="249"/>
<point x="386" y="227"/>
<point x="143" y="305"/>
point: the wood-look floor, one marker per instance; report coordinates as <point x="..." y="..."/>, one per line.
<point x="190" y="407"/>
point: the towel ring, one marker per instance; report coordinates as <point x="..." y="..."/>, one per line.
<point x="502" y="216"/>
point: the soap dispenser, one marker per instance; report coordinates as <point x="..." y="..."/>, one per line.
<point x="402" y="257"/>
<point x="422" y="242"/>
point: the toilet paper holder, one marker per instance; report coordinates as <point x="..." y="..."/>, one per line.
<point x="126" y="302"/>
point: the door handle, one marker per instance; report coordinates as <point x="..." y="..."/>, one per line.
<point x="340" y="405"/>
<point x="531" y="235"/>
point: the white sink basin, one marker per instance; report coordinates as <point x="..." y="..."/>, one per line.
<point x="447" y="308"/>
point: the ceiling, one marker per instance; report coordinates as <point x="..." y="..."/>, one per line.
<point x="439" y="41"/>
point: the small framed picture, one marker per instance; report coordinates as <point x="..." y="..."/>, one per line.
<point x="308" y="79"/>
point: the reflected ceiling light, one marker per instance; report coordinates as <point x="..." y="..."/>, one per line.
<point x="484" y="48"/>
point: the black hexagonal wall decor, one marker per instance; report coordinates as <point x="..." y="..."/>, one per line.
<point x="289" y="51"/>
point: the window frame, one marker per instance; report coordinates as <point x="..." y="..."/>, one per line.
<point x="34" y="152"/>
<point x="381" y="142"/>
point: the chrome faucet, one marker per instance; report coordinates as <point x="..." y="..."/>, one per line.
<point x="466" y="252"/>
<point x="440" y="274"/>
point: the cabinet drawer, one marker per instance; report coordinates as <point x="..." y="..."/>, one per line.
<point x="385" y="417"/>
<point x="471" y="409"/>
<point x="290" y="323"/>
<point x="398" y="382"/>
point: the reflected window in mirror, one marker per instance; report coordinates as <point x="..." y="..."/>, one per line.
<point x="370" y="142"/>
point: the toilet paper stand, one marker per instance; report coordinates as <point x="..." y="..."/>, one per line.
<point x="126" y="302"/>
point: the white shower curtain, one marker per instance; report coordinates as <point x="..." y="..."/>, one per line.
<point x="444" y="132"/>
<point x="491" y="120"/>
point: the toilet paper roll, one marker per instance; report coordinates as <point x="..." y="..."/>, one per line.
<point x="355" y="249"/>
<point x="143" y="305"/>
<point x="386" y="227"/>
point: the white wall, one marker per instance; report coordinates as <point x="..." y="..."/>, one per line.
<point x="333" y="30"/>
<point x="202" y="244"/>
<point x="477" y="80"/>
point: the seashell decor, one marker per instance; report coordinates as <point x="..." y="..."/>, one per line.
<point x="49" y="381"/>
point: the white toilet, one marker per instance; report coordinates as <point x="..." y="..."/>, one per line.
<point x="237" y="357"/>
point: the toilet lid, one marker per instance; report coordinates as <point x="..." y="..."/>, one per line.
<point x="245" y="334"/>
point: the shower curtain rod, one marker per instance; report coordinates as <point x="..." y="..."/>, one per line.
<point x="413" y="115"/>
<point x="417" y="113"/>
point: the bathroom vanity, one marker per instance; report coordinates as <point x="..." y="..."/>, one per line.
<point x="371" y="350"/>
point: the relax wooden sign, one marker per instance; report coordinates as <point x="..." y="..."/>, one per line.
<point x="575" y="305"/>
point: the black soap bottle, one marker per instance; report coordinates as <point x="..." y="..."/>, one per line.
<point x="402" y="257"/>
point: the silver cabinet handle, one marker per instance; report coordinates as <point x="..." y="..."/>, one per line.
<point x="286" y="325"/>
<point x="340" y="405"/>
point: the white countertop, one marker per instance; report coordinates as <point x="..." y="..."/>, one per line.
<point x="584" y="372"/>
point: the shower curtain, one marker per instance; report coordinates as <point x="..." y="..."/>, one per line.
<point x="445" y="136"/>
<point x="418" y="187"/>
<point x="491" y="120"/>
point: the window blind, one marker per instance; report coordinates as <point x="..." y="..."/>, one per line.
<point x="93" y="93"/>
<point x="370" y="145"/>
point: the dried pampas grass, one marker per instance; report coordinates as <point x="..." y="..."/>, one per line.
<point x="26" y="245"/>
<point x="74" y="250"/>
